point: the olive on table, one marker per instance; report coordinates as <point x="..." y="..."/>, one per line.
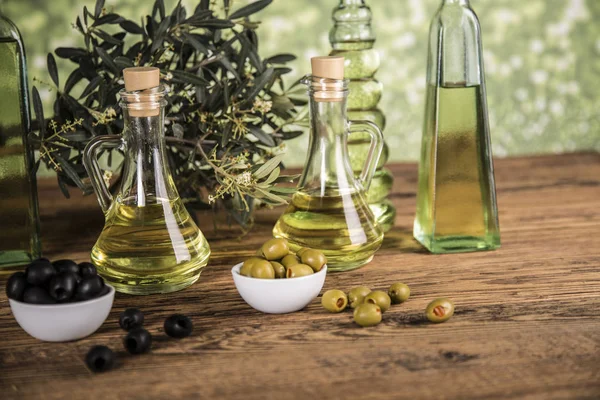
<point x="248" y="264"/>
<point x="100" y="359"/>
<point x="356" y="296"/>
<point x="334" y="300"/>
<point x="138" y="341"/>
<point x="367" y="314"/>
<point x="131" y="318"/>
<point x="314" y="259"/>
<point x="380" y="298"/>
<point x="299" y="270"/>
<point x="279" y="269"/>
<point x="262" y="270"/>
<point x="290" y="260"/>
<point x="16" y="285"/>
<point x="399" y="293"/>
<point x="439" y="310"/>
<point x="178" y="326"/>
<point x="275" y="249"/>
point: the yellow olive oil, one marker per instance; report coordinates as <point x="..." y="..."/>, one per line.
<point x="456" y="203"/>
<point x="340" y="224"/>
<point x="156" y="248"/>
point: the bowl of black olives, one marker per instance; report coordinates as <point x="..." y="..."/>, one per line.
<point x="277" y="280"/>
<point x="59" y="301"/>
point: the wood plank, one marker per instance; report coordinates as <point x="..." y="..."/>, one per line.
<point x="526" y="323"/>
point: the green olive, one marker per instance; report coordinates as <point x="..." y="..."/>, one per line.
<point x="259" y="253"/>
<point x="334" y="300"/>
<point x="399" y="293"/>
<point x="380" y="298"/>
<point x="301" y="250"/>
<point x="248" y="264"/>
<point x="439" y="310"/>
<point x="356" y="296"/>
<point x="314" y="259"/>
<point x="279" y="269"/>
<point x="262" y="270"/>
<point x="367" y="314"/>
<point x="275" y="249"/>
<point x="298" y="270"/>
<point x="290" y="260"/>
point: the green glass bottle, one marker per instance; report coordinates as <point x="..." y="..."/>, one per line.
<point x="456" y="198"/>
<point x="19" y="222"/>
<point x="352" y="37"/>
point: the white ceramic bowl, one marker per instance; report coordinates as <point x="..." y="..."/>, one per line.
<point x="278" y="296"/>
<point x="63" y="322"/>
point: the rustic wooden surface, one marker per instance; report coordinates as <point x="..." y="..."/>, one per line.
<point x="526" y="324"/>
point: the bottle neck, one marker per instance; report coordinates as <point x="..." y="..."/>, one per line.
<point x="146" y="174"/>
<point x="327" y="169"/>
<point x="352" y="26"/>
<point x="457" y="2"/>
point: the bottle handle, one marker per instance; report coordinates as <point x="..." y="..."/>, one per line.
<point x="375" y="149"/>
<point x="90" y="162"/>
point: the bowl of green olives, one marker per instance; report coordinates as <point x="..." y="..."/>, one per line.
<point x="278" y="281"/>
<point x="60" y="301"/>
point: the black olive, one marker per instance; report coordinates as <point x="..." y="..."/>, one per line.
<point x="131" y="318"/>
<point x="15" y="286"/>
<point x="66" y="266"/>
<point x="37" y="295"/>
<point x="105" y="290"/>
<point x="178" y="326"/>
<point x="62" y="286"/>
<point x="100" y="359"/>
<point x="39" y="272"/>
<point x="87" y="269"/>
<point x="138" y="341"/>
<point x="89" y="288"/>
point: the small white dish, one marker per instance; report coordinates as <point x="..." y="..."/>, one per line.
<point x="63" y="322"/>
<point x="278" y="296"/>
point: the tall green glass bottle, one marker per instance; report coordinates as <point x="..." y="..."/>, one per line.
<point x="456" y="197"/>
<point x="352" y="37"/>
<point x="19" y="226"/>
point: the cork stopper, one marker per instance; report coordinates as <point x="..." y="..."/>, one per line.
<point x="328" y="67"/>
<point x="142" y="92"/>
<point x="141" y="78"/>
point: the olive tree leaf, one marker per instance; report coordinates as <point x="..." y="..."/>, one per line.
<point x="259" y="83"/>
<point x="186" y="77"/>
<point x="266" y="168"/>
<point x="108" y="19"/>
<point x="280" y="58"/>
<point x="63" y="187"/>
<point x="70" y="172"/>
<point x="108" y="61"/>
<point x="261" y="135"/>
<point x="274" y="175"/>
<point x="38" y="108"/>
<point x="52" y="70"/>
<point x="70" y="52"/>
<point x="72" y="80"/>
<point x="98" y="8"/>
<point x="131" y="27"/>
<point x="195" y="43"/>
<point x="250" y="9"/>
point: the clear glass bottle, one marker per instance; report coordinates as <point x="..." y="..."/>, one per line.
<point x="456" y="198"/>
<point x="149" y="243"/>
<point x="329" y="212"/>
<point x="352" y="37"/>
<point x="19" y="219"/>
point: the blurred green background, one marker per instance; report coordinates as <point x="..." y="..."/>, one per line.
<point x="542" y="60"/>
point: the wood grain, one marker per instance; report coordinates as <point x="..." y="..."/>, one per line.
<point x="526" y="324"/>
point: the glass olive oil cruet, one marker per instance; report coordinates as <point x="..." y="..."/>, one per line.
<point x="19" y="220"/>
<point x="149" y="243"/>
<point x="329" y="212"/>
<point x="456" y="199"/>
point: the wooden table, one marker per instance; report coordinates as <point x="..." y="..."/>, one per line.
<point x="527" y="321"/>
